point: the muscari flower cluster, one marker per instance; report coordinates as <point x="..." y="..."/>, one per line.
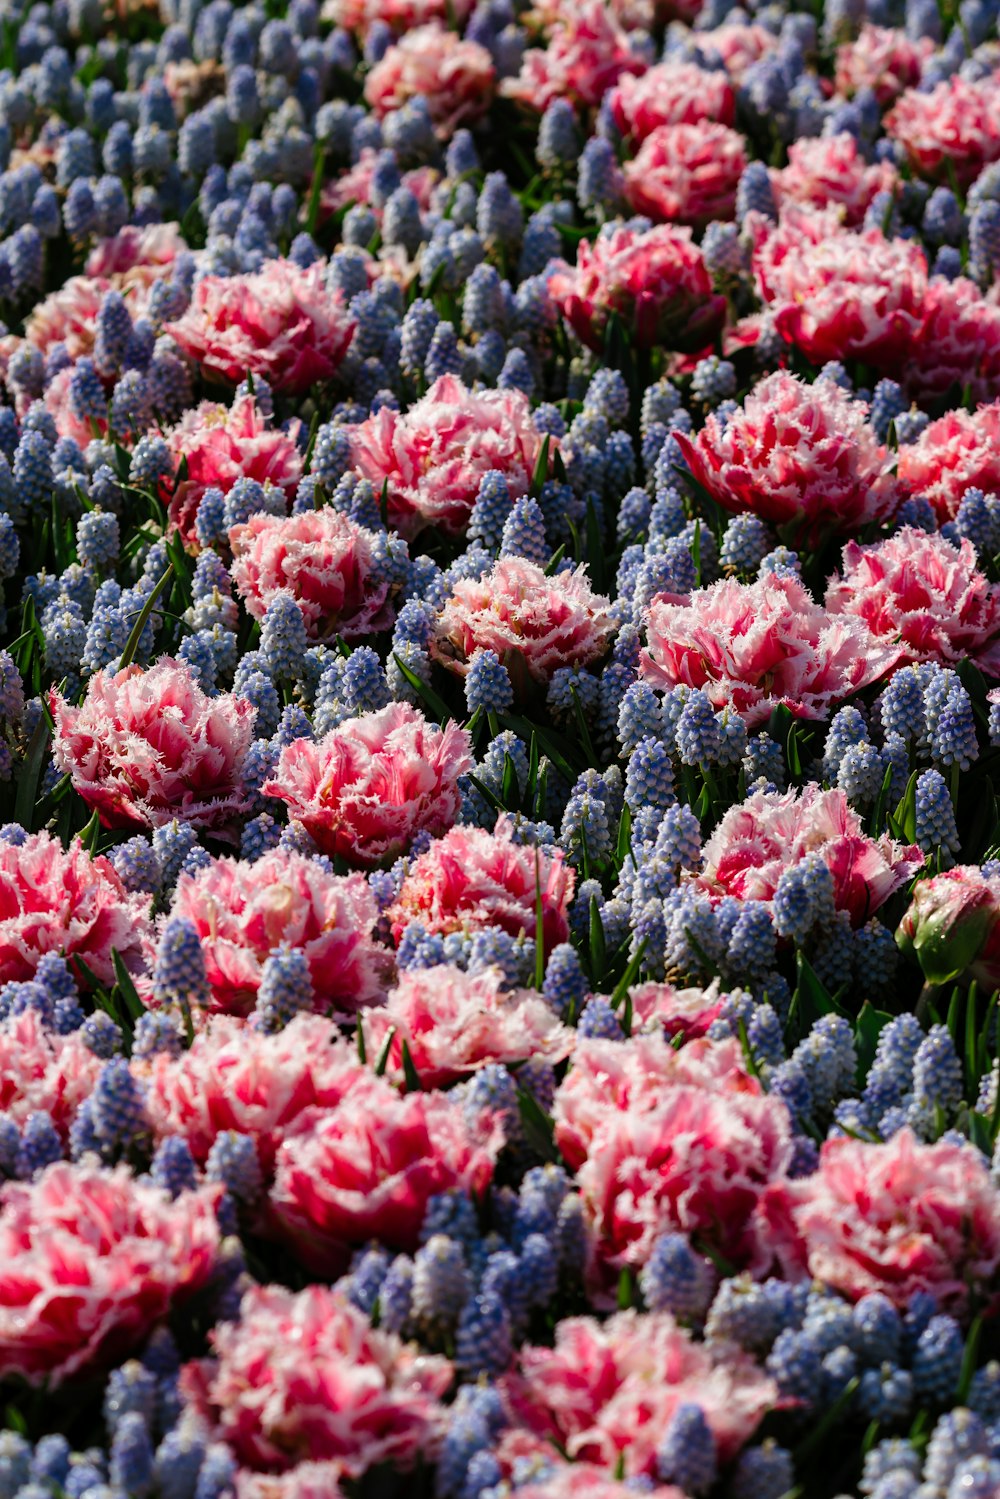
<point x="499" y="720"/>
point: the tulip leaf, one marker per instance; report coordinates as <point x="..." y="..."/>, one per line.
<point x="539" y="924"/>
<point x="31" y="773"/>
<point x="132" y="644"/>
<point x="904" y="823"/>
<point x="867" y="1029"/>
<point x="541" y="472"/>
<point x="410" y="1073"/>
<point x="969" y="1360"/>
<point x="629" y="977"/>
<point x="626" y="1299"/>
<point x="539" y="1130"/>
<point x="598" y="946"/>
<point x="595" y="547"/>
<point x="382" y="1060"/>
<point x="437" y="705"/>
<point x="126" y="986"/>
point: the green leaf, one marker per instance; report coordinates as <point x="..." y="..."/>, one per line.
<point x="952" y="1020"/>
<point x="491" y="797"/>
<point x="509" y="790"/>
<point x="423" y="690"/>
<point x="781" y="720"/>
<point x="595" y="547"/>
<point x="623" y="846"/>
<point x="132" y="644"/>
<point x="359" y="1041"/>
<point x="62" y="553"/>
<point x="832" y="1419"/>
<point x="629" y="977"/>
<point x="748" y="1052"/>
<point x="14" y="1420"/>
<point x="703" y="958"/>
<point x="555" y="559"/>
<point x="126" y="986"/>
<point x="983" y="1061"/>
<point x="812" y="996"/>
<point x="973" y="681"/>
<point x="310" y="445"/>
<point x="867" y="1029"/>
<point x="971" y="1037"/>
<point x="315" y="190"/>
<point x="31" y="773"/>
<point x="541" y="472"/>
<point x="598" y="947"/>
<point x="83" y="968"/>
<point x="474" y="724"/>
<point x="969" y="1359"/>
<point x="626" y="1292"/>
<point x="91" y="833"/>
<point x="382" y="1060"/>
<point x="581" y="723"/>
<point x="878" y="815"/>
<point x="183" y="568"/>
<point x="539" y="1130"/>
<point x="980" y="1131"/>
<point x="531" y="786"/>
<point x="546" y="739"/>
<point x="539" y="925"/>
<point x="905" y="818"/>
<point x="410" y="1073"/>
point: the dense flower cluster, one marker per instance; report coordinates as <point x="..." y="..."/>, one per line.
<point x="499" y="749"/>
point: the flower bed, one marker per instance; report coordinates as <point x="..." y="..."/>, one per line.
<point x="499" y="749"/>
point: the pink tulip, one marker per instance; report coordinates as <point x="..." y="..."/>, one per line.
<point x="605" y="1393"/>
<point x="953" y="128"/>
<point x="368" y="1168"/>
<point x="303" y="1377"/>
<point x="960" y="451"/>
<point x="330" y="564"/>
<point x="471" y="879"/>
<point x="63" y="901"/>
<point x="799" y="455"/>
<point x="687" y="174"/>
<point x="953" y="926"/>
<point x="771" y="831"/>
<point x="533" y="622"/>
<point x="753" y="646"/>
<point x="455" y="1022"/>
<point x="280" y="322"/>
<point x="235" y="1077"/>
<point x="218" y="446"/>
<point x="672" y="93"/>
<point x="40" y="1069"/>
<point x="883" y="59"/>
<point x="925" y="591"/>
<point x="242" y="911"/>
<point x="366" y="790"/>
<point x="455" y="78"/>
<point x="91" y="1260"/>
<point x="830" y="170"/>
<point x="653" y="280"/>
<point x="432" y="457"/>
<point x="895" y="1218"/>
<point x="835" y="294"/>
<point x="148" y="747"/>
<point x="586" y="52"/>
